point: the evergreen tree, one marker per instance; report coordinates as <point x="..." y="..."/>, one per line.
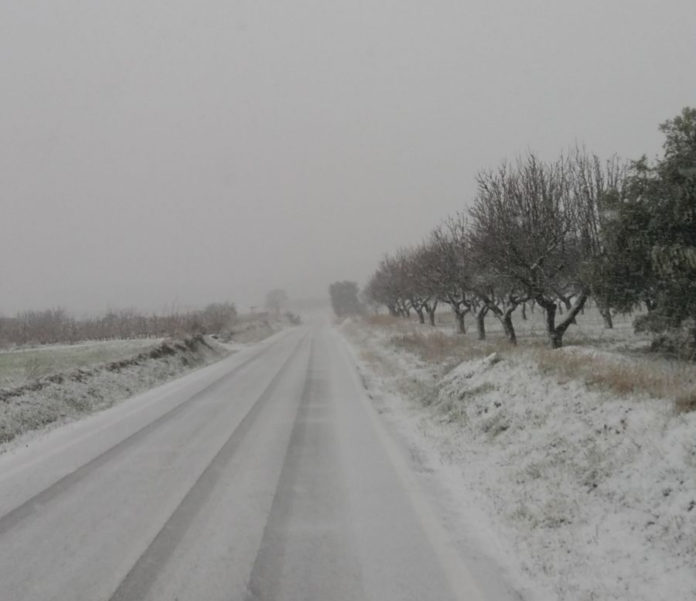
<point x="652" y="236"/>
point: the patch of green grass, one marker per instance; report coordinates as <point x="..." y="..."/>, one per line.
<point x="23" y="365"/>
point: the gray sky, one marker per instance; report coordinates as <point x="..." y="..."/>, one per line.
<point x="158" y="153"/>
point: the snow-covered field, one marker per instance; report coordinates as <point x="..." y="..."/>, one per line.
<point x="76" y="380"/>
<point x="18" y="366"/>
<point x="574" y="470"/>
<point x="48" y="385"/>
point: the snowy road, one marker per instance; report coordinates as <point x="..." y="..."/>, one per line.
<point x="265" y="476"/>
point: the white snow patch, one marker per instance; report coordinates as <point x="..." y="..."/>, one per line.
<point x="580" y="494"/>
<point x="56" y="399"/>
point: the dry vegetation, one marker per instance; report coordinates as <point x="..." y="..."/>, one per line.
<point x="582" y="456"/>
<point x="659" y="378"/>
<point x="603" y="359"/>
<point x="49" y="384"/>
<point x="445" y="349"/>
<point x="57" y="326"/>
<point x="434" y="345"/>
<point x="383" y="320"/>
<point x="89" y="387"/>
<point x="23" y="365"/>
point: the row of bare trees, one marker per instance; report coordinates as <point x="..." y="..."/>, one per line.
<point x="57" y="326"/>
<point x="534" y="234"/>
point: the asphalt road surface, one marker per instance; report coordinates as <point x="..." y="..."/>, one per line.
<point x="267" y="476"/>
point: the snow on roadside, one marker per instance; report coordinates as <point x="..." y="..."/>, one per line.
<point x="596" y="494"/>
<point x="65" y="396"/>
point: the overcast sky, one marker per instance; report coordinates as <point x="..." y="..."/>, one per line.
<point x="158" y="153"/>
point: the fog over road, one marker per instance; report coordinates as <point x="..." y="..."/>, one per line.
<point x="265" y="476"/>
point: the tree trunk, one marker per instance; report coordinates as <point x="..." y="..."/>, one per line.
<point x="605" y="312"/>
<point x="460" y="322"/>
<point x="431" y="314"/>
<point x="508" y="327"/>
<point x="503" y="316"/>
<point x="556" y="339"/>
<point x="550" y="309"/>
<point x="524" y="311"/>
<point x="556" y="332"/>
<point x="421" y="316"/>
<point x="481" y="322"/>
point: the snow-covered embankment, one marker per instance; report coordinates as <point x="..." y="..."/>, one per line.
<point x="593" y="493"/>
<point x="67" y="395"/>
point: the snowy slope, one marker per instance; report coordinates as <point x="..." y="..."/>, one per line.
<point x="594" y="494"/>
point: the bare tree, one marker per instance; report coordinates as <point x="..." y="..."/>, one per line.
<point x="387" y="287"/>
<point x="452" y="268"/>
<point x="594" y="185"/>
<point x="419" y="265"/>
<point x="525" y="222"/>
<point x="500" y="296"/>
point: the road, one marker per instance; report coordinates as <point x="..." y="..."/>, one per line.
<point x="267" y="476"/>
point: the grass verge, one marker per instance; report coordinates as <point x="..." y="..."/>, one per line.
<point x="65" y="396"/>
<point x="621" y="374"/>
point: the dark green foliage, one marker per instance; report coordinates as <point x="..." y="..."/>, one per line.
<point x="622" y="276"/>
<point x="344" y="298"/>
<point x="652" y="241"/>
<point x="673" y="254"/>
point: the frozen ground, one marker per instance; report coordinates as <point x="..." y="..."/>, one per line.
<point x="583" y="488"/>
<point x="48" y="385"/>
<point x="18" y="366"/>
<point x="268" y="475"/>
<point x="73" y="381"/>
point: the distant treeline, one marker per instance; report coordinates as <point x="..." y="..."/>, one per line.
<point x="556" y="233"/>
<point x="58" y="326"/>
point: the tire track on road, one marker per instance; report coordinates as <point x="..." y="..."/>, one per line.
<point x="307" y="551"/>
<point x="143" y="575"/>
<point x="32" y="505"/>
